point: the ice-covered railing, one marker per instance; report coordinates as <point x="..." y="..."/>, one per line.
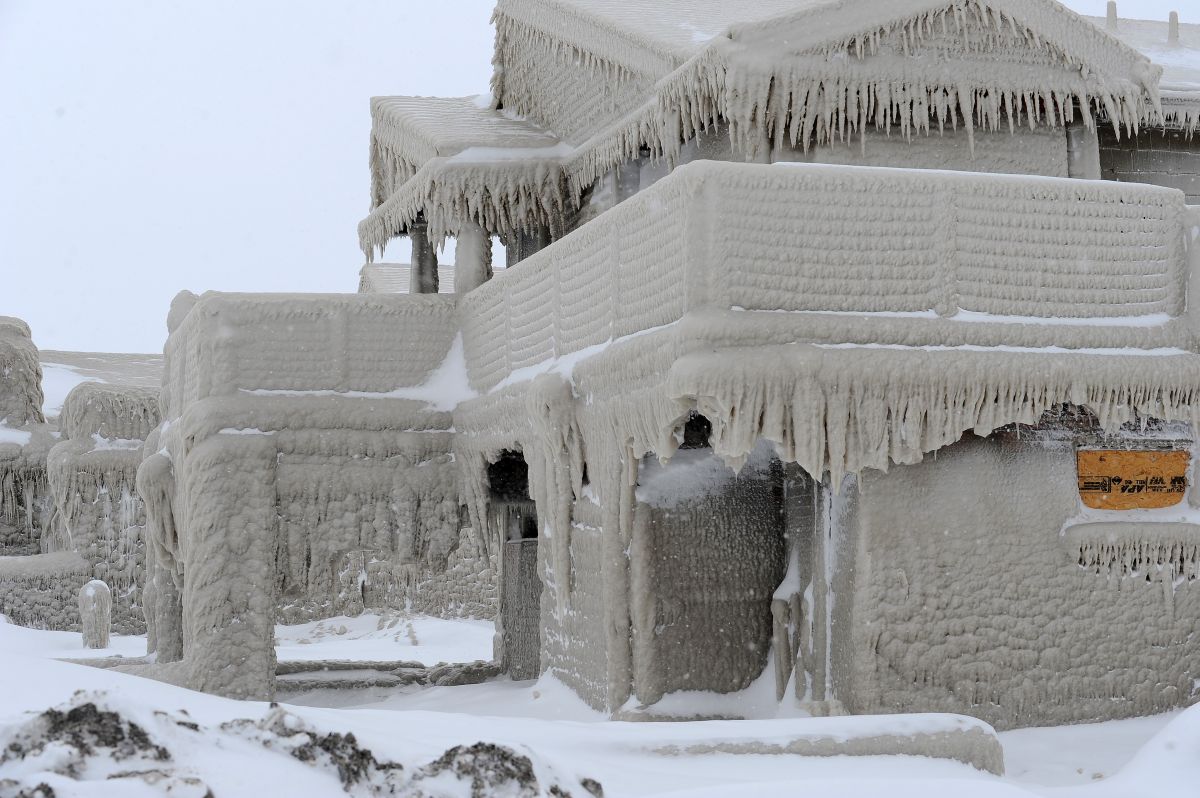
<point x="366" y="343"/>
<point x="832" y="239"/>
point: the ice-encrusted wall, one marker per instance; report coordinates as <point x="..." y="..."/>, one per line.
<point x="337" y="513"/>
<point x="464" y="587"/>
<point x="1041" y="151"/>
<point x="564" y="86"/>
<point x="1169" y="158"/>
<point x="967" y="597"/>
<point x="304" y="466"/>
<point x="569" y="639"/>
<point x="92" y="476"/>
<point x="707" y="555"/>
<point x="40" y="591"/>
<point x="929" y="243"/>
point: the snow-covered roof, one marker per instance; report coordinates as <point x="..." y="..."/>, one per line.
<point x="393" y="278"/>
<point x="457" y="157"/>
<point x="1180" y="62"/>
<point x="616" y="78"/>
<point x="415" y="130"/>
<point x="637" y="33"/>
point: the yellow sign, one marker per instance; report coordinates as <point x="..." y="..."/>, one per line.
<point x="1121" y="480"/>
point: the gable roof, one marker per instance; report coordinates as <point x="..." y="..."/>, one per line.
<point x="1179" y="89"/>
<point x="794" y="72"/>
<point x="1180" y="62"/>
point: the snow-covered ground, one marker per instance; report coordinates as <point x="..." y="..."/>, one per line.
<point x="376" y="637"/>
<point x="241" y="748"/>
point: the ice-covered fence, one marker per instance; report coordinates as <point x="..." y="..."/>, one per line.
<point x="862" y="239"/>
<point x="835" y="239"/>
<point x="617" y="275"/>
<point x="342" y="343"/>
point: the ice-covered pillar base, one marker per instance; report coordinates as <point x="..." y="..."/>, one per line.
<point x="473" y="258"/>
<point x="1083" y="149"/>
<point x="228" y="592"/>
<point x="165" y="616"/>
<point x="423" y="276"/>
<point x="95" y="613"/>
<point x="161" y="597"/>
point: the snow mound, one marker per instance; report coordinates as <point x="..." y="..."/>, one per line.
<point x="98" y="743"/>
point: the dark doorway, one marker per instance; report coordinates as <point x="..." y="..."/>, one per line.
<point x="515" y="515"/>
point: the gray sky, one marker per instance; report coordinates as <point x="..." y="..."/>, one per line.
<point x="154" y="145"/>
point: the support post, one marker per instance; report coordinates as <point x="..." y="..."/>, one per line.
<point x="423" y="274"/>
<point x="1112" y="15"/>
<point x="229" y="590"/>
<point x="1083" y="149"/>
<point x="473" y="258"/>
<point x="1173" y="29"/>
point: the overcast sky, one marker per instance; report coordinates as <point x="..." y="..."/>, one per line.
<point x="149" y="146"/>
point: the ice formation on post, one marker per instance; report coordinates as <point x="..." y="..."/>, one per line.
<point x="95" y="612"/>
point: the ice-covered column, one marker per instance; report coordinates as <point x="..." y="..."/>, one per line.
<point x="1112" y="15"/>
<point x="1083" y="148"/>
<point x="95" y="613"/>
<point x="473" y="258"/>
<point x="1173" y="28"/>
<point x="423" y="277"/>
<point x="161" y="596"/>
<point x="228" y="485"/>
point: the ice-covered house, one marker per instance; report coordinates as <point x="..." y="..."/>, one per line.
<point x="824" y="364"/>
<point x="69" y="507"/>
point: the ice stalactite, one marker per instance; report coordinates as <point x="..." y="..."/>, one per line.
<point x="888" y="406"/>
<point x="1181" y="112"/>
<point x="503" y="196"/>
<point x="1153" y="551"/>
<point x="556" y="464"/>
<point x="1180" y="560"/>
<point x="95" y="613"/>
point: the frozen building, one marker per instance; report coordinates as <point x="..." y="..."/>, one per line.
<point x="846" y="353"/>
<point x="69" y="508"/>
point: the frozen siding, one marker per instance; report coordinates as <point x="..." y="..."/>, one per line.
<point x="967" y="598"/>
<point x="1169" y="158"/>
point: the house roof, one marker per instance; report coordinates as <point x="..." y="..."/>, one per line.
<point x="419" y="129"/>
<point x="1180" y="86"/>
<point x="670" y="31"/>
<point x="792" y="71"/>
<point x="428" y="154"/>
<point x="1180" y="63"/>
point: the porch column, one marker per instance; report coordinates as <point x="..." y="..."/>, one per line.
<point x="423" y="274"/>
<point x="229" y="585"/>
<point x="473" y="258"/>
<point x="1083" y="148"/>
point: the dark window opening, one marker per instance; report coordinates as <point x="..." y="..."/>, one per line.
<point x="508" y="488"/>
<point x="508" y="478"/>
<point x="696" y="432"/>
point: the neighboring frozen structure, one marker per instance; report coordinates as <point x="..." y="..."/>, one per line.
<point x="69" y="510"/>
<point x="750" y="405"/>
